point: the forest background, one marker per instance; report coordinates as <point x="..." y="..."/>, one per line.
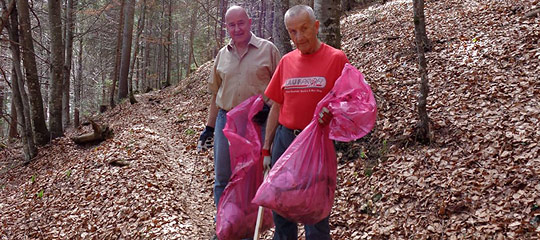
<point x="130" y="65"/>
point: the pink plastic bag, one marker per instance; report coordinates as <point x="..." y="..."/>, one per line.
<point x="236" y="215"/>
<point x="301" y="184"/>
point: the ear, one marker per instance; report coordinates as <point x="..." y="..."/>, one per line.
<point x="317" y="23"/>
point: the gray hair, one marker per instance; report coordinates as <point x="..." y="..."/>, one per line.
<point x="298" y="9"/>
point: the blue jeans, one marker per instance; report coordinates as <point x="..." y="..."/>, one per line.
<point x="285" y="229"/>
<point x="222" y="160"/>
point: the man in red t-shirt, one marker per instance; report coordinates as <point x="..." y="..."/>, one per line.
<point x="302" y="78"/>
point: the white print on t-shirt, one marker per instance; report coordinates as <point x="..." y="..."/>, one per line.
<point x="304" y="83"/>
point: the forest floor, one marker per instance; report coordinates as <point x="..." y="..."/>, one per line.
<point x="479" y="178"/>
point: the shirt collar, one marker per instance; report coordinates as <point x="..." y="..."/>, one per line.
<point x="254" y="41"/>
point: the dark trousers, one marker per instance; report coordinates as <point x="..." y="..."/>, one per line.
<point x="285" y="229"/>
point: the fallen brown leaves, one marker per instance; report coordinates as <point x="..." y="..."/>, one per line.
<point x="479" y="178"/>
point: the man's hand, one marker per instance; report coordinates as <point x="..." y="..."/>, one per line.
<point x="325" y="116"/>
<point x="261" y="116"/>
<point x="267" y="160"/>
<point x="206" y="140"/>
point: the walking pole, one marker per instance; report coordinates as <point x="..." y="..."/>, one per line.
<point x="260" y="215"/>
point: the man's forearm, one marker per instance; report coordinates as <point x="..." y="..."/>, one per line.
<point x="271" y="125"/>
<point x="212" y="112"/>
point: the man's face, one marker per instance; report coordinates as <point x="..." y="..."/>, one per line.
<point x="238" y="26"/>
<point x="303" y="32"/>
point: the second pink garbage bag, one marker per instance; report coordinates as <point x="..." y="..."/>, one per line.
<point x="301" y="184"/>
<point x="236" y="215"/>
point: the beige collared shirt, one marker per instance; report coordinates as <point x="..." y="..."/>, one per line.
<point x="235" y="78"/>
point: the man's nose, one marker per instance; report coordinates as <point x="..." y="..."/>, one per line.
<point x="299" y="35"/>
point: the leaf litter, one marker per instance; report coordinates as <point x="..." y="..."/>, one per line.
<point x="478" y="179"/>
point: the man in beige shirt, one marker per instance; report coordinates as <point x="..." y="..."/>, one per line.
<point x="243" y="68"/>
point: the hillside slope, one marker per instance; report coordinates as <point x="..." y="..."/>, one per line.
<point x="478" y="179"/>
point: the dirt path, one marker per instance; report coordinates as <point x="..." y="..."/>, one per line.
<point x="164" y="191"/>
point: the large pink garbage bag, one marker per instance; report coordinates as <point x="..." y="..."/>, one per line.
<point x="301" y="184"/>
<point x="236" y="215"/>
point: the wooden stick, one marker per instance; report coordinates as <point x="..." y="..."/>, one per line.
<point x="260" y="216"/>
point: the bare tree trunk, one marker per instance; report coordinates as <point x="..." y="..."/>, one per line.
<point x="179" y="55"/>
<point x="270" y="20"/>
<point x="262" y="17"/>
<point x="57" y="64"/>
<point x="146" y="52"/>
<point x="19" y="93"/>
<point x="117" y="59"/>
<point x="168" y="45"/>
<point x="281" y="36"/>
<point x="78" y="85"/>
<point x="103" y="73"/>
<point x="13" y="133"/>
<point x="140" y="28"/>
<point x="328" y="13"/>
<point x="422" y="127"/>
<point x="137" y="75"/>
<point x="41" y="133"/>
<point x="2" y="103"/>
<point x="192" y="35"/>
<point x="126" y="49"/>
<point x="70" y="20"/>
<point x="6" y="12"/>
<point x="222" y="11"/>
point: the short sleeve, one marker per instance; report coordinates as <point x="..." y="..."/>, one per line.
<point x="214" y="80"/>
<point x="276" y="56"/>
<point x="274" y="91"/>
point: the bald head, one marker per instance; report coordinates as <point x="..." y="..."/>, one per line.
<point x="300" y="10"/>
<point x="236" y="10"/>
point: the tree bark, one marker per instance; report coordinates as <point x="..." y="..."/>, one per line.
<point x="140" y="28"/>
<point x="19" y="93"/>
<point x="179" y="55"/>
<point x="192" y="36"/>
<point x="422" y="24"/>
<point x="280" y="34"/>
<point x="2" y="103"/>
<point x="270" y="20"/>
<point x="100" y="133"/>
<point x="117" y="59"/>
<point x="70" y="20"/>
<point x="126" y="49"/>
<point x="146" y="52"/>
<point x="57" y="65"/>
<point x="78" y="85"/>
<point x="262" y="17"/>
<point x="6" y="13"/>
<point x="13" y="133"/>
<point x="168" y="47"/>
<point x="422" y="128"/>
<point x="41" y="133"/>
<point x="222" y="10"/>
<point x="328" y="13"/>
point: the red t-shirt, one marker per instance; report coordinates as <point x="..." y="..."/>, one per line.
<point x="301" y="81"/>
